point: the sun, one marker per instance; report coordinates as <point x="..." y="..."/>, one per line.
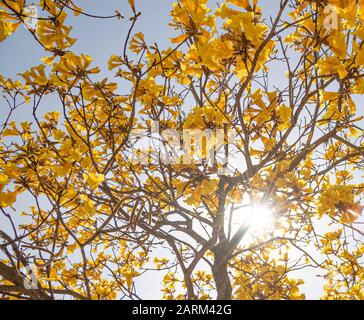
<point x="259" y="218"/>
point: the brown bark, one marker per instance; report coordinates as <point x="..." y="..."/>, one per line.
<point x="221" y="277"/>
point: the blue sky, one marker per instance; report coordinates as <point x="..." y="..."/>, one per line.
<point x="100" y="38"/>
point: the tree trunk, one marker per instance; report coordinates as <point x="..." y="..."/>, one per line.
<point x="221" y="277"/>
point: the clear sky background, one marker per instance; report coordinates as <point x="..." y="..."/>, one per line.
<point x="100" y="38"/>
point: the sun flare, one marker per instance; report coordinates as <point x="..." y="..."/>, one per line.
<point x="258" y="217"/>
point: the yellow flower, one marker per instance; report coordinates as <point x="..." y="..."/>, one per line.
<point x="285" y="115"/>
<point x="339" y="201"/>
<point x="137" y="43"/>
<point x="3" y="180"/>
<point x="7" y="199"/>
<point x="332" y="65"/>
<point x="94" y="179"/>
<point x="240" y="3"/>
<point x="114" y="62"/>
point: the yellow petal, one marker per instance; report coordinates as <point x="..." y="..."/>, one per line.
<point x="132" y="4"/>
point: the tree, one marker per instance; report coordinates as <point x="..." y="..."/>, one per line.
<point x="235" y="147"/>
